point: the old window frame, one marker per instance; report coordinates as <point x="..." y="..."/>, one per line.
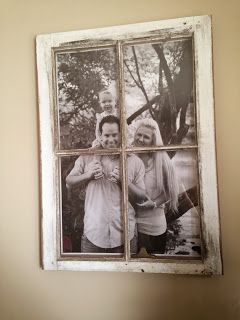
<point x="47" y="45"/>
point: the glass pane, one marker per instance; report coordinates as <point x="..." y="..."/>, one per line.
<point x="86" y="93"/>
<point x="159" y="84"/>
<point x="92" y="221"/>
<point x="166" y="207"/>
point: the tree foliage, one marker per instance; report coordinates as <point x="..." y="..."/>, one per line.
<point x="158" y="83"/>
<point x="81" y="76"/>
<point x="163" y="74"/>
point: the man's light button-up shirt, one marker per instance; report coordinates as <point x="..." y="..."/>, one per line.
<point x="103" y="221"/>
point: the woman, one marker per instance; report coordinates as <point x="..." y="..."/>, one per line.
<point x="161" y="186"/>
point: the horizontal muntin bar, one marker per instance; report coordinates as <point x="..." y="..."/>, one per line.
<point x="79" y="256"/>
<point x="160" y="148"/>
<point x="157" y="39"/>
<point x="77" y="152"/>
<point x="118" y="151"/>
<point x="83" y="47"/>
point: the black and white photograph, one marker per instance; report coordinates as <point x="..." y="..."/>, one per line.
<point x="158" y="79"/>
<point x="127" y="148"/>
<point x="167" y="213"/>
<point x="86" y="92"/>
<point x="162" y="186"/>
<point x="92" y="219"/>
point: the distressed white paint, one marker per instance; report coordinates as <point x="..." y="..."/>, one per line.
<point x="206" y="140"/>
<point x="201" y="29"/>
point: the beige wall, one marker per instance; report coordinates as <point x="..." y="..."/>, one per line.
<point x="26" y="291"/>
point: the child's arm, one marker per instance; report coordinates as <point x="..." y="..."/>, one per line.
<point x="134" y="191"/>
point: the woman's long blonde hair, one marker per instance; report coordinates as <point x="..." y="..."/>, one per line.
<point x="165" y="174"/>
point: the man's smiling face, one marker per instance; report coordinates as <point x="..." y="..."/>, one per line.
<point x="110" y="135"/>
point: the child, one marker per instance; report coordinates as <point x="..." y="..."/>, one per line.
<point x="108" y="104"/>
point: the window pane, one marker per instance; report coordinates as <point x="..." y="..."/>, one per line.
<point x="81" y="76"/>
<point x="167" y="213"/>
<point x="92" y="220"/>
<point x="159" y="84"/>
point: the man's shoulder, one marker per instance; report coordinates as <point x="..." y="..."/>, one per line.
<point x="134" y="160"/>
<point x="84" y="159"/>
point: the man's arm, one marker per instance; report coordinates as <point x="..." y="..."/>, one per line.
<point x="77" y="176"/>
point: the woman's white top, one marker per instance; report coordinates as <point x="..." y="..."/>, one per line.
<point x="151" y="221"/>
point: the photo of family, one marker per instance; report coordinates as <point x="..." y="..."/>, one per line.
<point x="163" y="212"/>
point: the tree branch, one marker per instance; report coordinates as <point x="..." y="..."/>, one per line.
<point x="187" y="200"/>
<point x="172" y="98"/>
<point x="131" y="74"/>
<point x="160" y="80"/>
<point x="165" y="67"/>
<point x="142" y="109"/>
<point x="138" y="74"/>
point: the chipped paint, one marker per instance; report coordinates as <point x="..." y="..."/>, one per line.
<point x="47" y="46"/>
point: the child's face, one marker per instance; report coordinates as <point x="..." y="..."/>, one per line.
<point x="107" y="102"/>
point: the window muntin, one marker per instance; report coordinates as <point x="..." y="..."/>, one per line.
<point x="197" y="28"/>
<point x="104" y="62"/>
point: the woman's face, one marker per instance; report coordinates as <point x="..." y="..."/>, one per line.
<point x="143" y="137"/>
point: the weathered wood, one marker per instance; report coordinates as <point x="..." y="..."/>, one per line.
<point x="198" y="28"/>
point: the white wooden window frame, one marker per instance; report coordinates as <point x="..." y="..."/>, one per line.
<point x="200" y="28"/>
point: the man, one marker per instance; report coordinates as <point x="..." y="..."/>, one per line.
<point x="103" y="226"/>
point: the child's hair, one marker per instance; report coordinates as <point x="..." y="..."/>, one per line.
<point x="105" y="92"/>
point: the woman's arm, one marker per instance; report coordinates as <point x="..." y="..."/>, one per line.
<point x="153" y="203"/>
<point x="136" y="193"/>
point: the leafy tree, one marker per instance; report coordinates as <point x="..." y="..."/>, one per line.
<point x="81" y="75"/>
<point x="163" y="74"/>
<point x="159" y="77"/>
